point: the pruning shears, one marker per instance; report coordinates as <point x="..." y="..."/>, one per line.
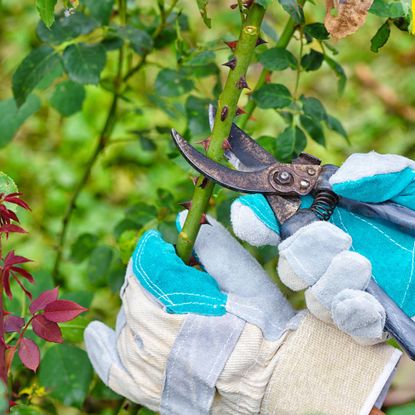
<point x="283" y="185"/>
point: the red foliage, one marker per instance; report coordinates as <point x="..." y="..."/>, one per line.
<point x="63" y="310"/>
<point x="46" y="329"/>
<point x="29" y="354"/>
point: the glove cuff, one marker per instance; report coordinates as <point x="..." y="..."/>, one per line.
<point x="334" y="376"/>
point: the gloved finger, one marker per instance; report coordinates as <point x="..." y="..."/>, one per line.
<point x="375" y="178"/>
<point x="179" y="288"/>
<point x="360" y="315"/>
<point x="101" y="346"/>
<point x="223" y="257"/>
<point x="251" y="293"/>
<point x="254" y="222"/>
<point x="306" y="255"/>
<point x="348" y="270"/>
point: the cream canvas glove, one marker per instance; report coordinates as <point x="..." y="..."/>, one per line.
<point x="225" y="341"/>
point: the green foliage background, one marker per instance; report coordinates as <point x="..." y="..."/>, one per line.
<point x="138" y="180"/>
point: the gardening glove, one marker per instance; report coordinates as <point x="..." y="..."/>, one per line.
<point x="225" y="341"/>
<point x="355" y="246"/>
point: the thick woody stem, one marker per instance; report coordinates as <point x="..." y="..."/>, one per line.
<point x="228" y="98"/>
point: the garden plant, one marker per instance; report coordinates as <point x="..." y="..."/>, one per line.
<point x="92" y="89"/>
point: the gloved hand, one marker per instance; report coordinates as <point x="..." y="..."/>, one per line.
<point x="225" y="341"/>
<point x="372" y="178"/>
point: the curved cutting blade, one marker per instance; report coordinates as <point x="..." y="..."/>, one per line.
<point x="246" y="182"/>
<point x="245" y="153"/>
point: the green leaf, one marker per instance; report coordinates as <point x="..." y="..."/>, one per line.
<point x="278" y="59"/>
<point x="339" y="71"/>
<point x="294" y="10"/>
<point x="201" y="58"/>
<point x="66" y="28"/>
<point x="36" y="66"/>
<point x="100" y="10"/>
<point x="312" y="60"/>
<point x="170" y="83"/>
<point x="197" y="121"/>
<point x="392" y="9"/>
<point x="126" y="244"/>
<point x="272" y="96"/>
<point x="84" y="63"/>
<point x="317" y="31"/>
<point x="408" y="409"/>
<point x="313" y="108"/>
<point x="11" y="117"/>
<point x="25" y="410"/>
<point x="46" y="9"/>
<point x="313" y="129"/>
<point x="381" y="37"/>
<point x="68" y="98"/>
<point x="7" y="185"/>
<point x="264" y="3"/>
<point x="202" y="4"/>
<point x="73" y="331"/>
<point x="335" y="125"/>
<point x="290" y="143"/>
<point x="66" y="373"/>
<point x="99" y="264"/>
<point x="81" y="249"/>
<point x="140" y="41"/>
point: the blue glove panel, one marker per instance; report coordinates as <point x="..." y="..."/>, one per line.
<point x="180" y="288"/>
<point x="390" y="251"/>
<point x="398" y="187"/>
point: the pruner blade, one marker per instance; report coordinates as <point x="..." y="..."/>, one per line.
<point x="282" y="184"/>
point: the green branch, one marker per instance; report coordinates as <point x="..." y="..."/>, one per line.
<point x="226" y="110"/>
<point x="283" y="42"/>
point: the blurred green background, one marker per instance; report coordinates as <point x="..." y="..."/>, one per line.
<point x="139" y="176"/>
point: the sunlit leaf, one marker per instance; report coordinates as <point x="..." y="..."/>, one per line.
<point x="46" y="9"/>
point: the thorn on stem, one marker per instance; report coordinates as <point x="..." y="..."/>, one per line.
<point x="204" y="183"/>
<point x="187" y="205"/>
<point x="268" y="77"/>
<point x="248" y="3"/>
<point x="241" y="84"/>
<point x="224" y="113"/>
<point x="193" y="262"/>
<point x="226" y="145"/>
<point x="203" y="220"/>
<point x="239" y="111"/>
<point x="205" y="143"/>
<point x="231" y="63"/>
<point x="232" y="44"/>
<point x="260" y="41"/>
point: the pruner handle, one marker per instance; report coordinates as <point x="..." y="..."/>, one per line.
<point x="397" y="323"/>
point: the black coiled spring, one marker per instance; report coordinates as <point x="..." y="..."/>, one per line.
<point x="325" y="201"/>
